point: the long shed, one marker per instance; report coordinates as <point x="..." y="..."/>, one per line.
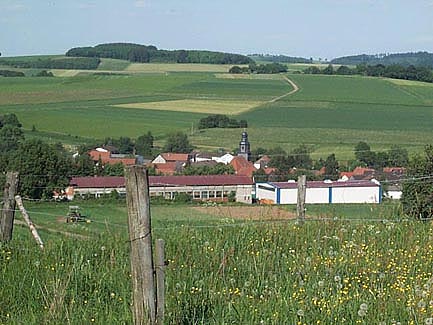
<point x="362" y="191"/>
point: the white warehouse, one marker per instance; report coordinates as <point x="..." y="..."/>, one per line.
<point x="363" y="191"/>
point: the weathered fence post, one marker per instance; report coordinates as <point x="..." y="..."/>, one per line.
<point x="8" y="210"/>
<point x="142" y="271"/>
<point x="29" y="222"/>
<point x="160" y="279"/>
<point x="302" y="188"/>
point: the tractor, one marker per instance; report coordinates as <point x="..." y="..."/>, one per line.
<point x="74" y="215"/>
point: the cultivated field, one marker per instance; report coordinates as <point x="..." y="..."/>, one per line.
<point x="224" y="269"/>
<point x="329" y="114"/>
<point x="229" y="107"/>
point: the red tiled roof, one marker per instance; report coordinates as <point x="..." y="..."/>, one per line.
<point x="204" y="180"/>
<point x="242" y="166"/>
<point x="106" y="158"/>
<point x="168" y="168"/>
<point x="360" y="171"/>
<point x="170" y="156"/>
<point x="98" y="182"/>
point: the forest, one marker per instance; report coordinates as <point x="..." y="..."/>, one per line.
<point x="53" y="63"/>
<point x="419" y="59"/>
<point x="392" y="71"/>
<point x="146" y="54"/>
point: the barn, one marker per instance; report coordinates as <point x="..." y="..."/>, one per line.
<point x="362" y="191"/>
<point x="203" y="187"/>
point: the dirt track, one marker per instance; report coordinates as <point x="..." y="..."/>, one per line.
<point x="261" y="212"/>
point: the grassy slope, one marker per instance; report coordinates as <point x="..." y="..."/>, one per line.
<point x="332" y="114"/>
<point x="328" y="113"/>
<point x="278" y="273"/>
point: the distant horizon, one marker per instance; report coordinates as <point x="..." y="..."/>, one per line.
<point x="321" y="29"/>
<point x="246" y="54"/>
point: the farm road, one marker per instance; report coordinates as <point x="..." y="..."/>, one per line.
<point x="295" y="89"/>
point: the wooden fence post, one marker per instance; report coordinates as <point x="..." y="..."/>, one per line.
<point x="139" y="223"/>
<point x="302" y="189"/>
<point x="8" y="210"/>
<point x="29" y="222"/>
<point x="160" y="281"/>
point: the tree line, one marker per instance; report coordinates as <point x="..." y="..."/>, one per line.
<point x="269" y="68"/>
<point x="419" y="59"/>
<point x="220" y="121"/>
<point x="149" y="53"/>
<point x="279" y="58"/>
<point x="392" y="71"/>
<point x="299" y="162"/>
<point x="53" y="63"/>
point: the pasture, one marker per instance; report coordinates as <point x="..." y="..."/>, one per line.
<point x="329" y="114"/>
<point x="224" y="270"/>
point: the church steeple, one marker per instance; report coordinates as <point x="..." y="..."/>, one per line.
<point x="244" y="147"/>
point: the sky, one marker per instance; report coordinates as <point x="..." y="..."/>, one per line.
<point x="323" y="29"/>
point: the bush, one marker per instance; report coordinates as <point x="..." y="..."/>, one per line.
<point x="417" y="192"/>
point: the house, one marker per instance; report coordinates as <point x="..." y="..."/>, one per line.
<point x="359" y="173"/>
<point x="393" y="177"/>
<point x="362" y="191"/>
<point x="206" y="187"/>
<point x="170" y="163"/>
<point x="262" y="162"/>
<point x="243" y="167"/>
<point x="108" y="157"/>
<point x="167" y="157"/>
<point x="225" y="159"/>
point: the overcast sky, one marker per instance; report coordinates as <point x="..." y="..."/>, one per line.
<point x="307" y="28"/>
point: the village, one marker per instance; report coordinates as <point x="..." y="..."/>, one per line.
<point x="357" y="186"/>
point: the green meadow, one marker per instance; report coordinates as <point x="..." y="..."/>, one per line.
<point x="340" y="270"/>
<point x="327" y="113"/>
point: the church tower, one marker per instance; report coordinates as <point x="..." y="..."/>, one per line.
<point x="244" y="147"/>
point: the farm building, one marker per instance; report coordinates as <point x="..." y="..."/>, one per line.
<point x="206" y="187"/>
<point x="320" y="192"/>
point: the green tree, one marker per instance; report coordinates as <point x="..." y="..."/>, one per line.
<point x="144" y="144"/>
<point x="178" y="142"/>
<point x="10" y="137"/>
<point x="43" y="168"/>
<point x="83" y="165"/>
<point x="301" y="157"/>
<point x="417" y="192"/>
<point x="364" y="154"/>
<point x="331" y="167"/>
<point x="398" y="156"/>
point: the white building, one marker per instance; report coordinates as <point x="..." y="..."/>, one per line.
<point x="320" y="192"/>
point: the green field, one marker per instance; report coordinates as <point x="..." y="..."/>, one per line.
<point x="328" y="113"/>
<point x="223" y="270"/>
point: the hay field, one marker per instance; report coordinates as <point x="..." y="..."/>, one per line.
<point x="229" y="107"/>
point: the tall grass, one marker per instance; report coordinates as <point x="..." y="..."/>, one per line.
<point x="328" y="272"/>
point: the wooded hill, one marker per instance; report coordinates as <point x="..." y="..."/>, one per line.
<point x="418" y="59"/>
<point x="51" y="63"/>
<point x="279" y="58"/>
<point x="145" y="54"/>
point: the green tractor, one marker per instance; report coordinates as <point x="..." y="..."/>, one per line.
<point x="74" y="215"/>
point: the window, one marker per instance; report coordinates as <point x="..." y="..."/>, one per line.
<point x="196" y="195"/>
<point x="205" y="195"/>
<point x="211" y="194"/>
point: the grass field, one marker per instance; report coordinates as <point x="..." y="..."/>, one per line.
<point x="330" y="114"/>
<point x="223" y="270"/>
